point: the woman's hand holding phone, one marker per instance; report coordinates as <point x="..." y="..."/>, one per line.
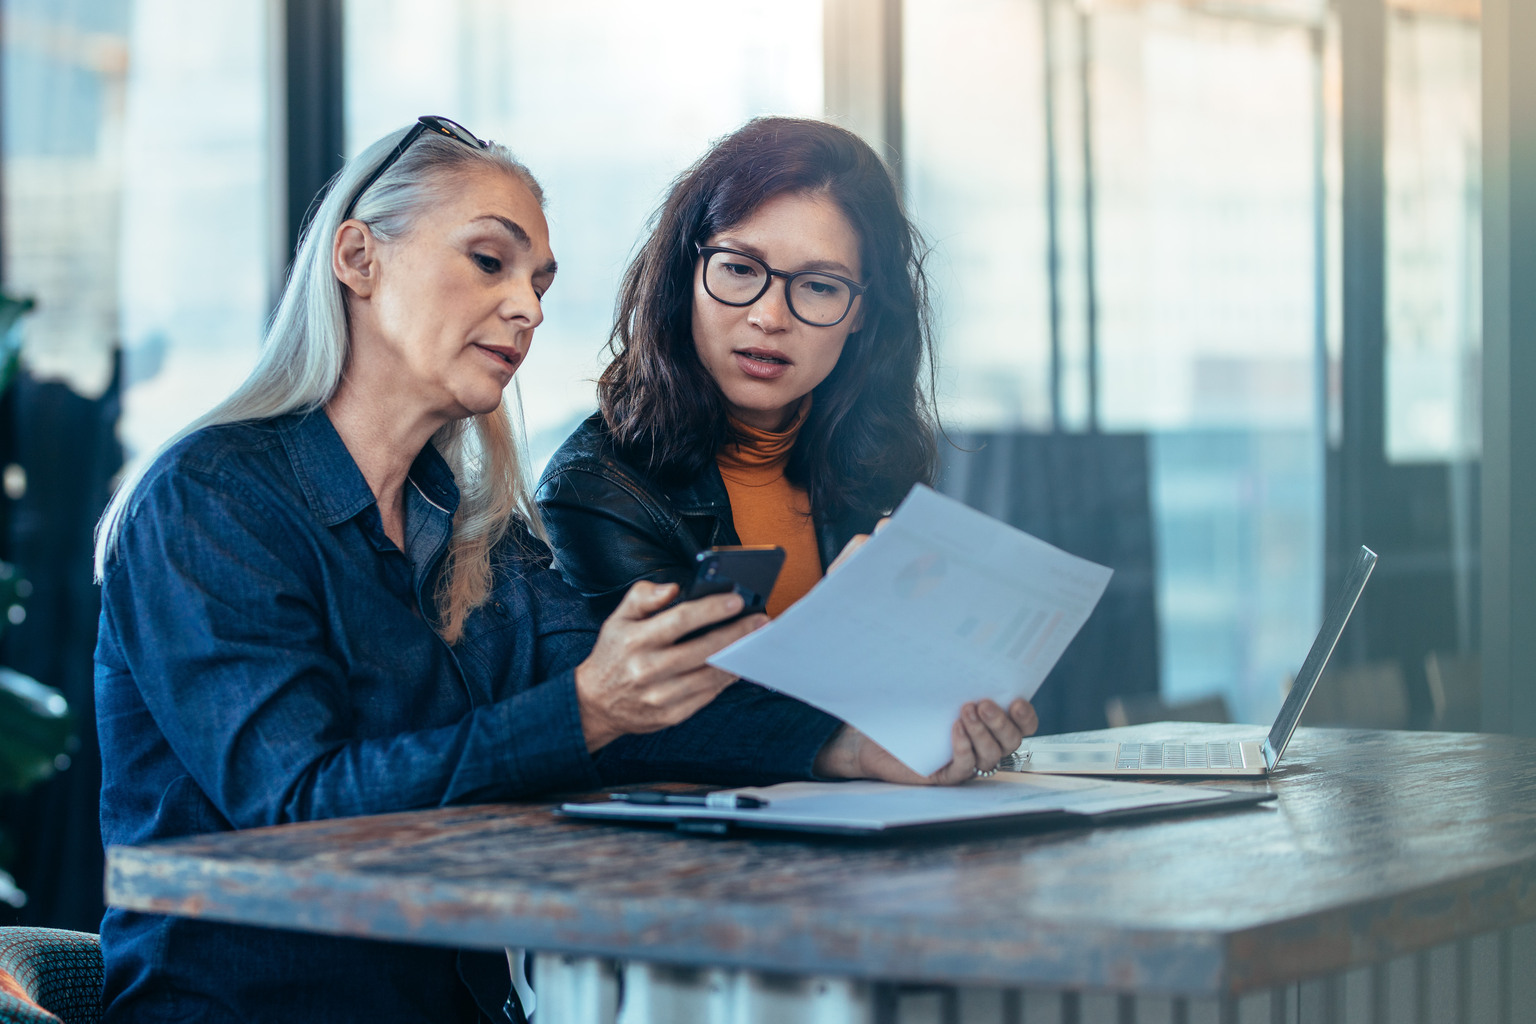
<point x="639" y="678"/>
<point x="747" y="571"/>
<point x="647" y="670"/>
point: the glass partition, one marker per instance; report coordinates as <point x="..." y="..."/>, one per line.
<point x="197" y="282"/>
<point x="1137" y="206"/>
<point x="136" y="207"/>
<point x="1434" y="233"/>
<point x="65" y="92"/>
<point x="1126" y="200"/>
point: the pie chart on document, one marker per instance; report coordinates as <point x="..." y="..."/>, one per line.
<point x="920" y="576"/>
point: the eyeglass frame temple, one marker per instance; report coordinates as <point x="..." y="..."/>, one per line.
<point x="424" y="123"/>
<point x="855" y="289"/>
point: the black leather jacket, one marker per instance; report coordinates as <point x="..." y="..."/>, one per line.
<point x="611" y="523"/>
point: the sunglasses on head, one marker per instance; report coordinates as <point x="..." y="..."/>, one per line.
<point x="425" y="123"/>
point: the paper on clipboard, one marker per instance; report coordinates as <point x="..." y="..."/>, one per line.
<point x="865" y="808"/>
<point x="944" y="605"/>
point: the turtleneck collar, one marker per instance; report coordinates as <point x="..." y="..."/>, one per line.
<point x="762" y="449"/>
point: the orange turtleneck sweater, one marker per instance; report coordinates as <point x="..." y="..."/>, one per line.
<point x="768" y="509"/>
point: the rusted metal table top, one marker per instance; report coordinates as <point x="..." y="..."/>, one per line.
<point x="1378" y="844"/>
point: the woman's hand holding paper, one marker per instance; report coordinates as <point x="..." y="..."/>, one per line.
<point x="854" y="543"/>
<point x="982" y="736"/>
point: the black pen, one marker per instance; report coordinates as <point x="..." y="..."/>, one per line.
<point x="720" y="801"/>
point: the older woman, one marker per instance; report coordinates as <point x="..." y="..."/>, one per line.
<point x="766" y="388"/>
<point x="327" y="598"/>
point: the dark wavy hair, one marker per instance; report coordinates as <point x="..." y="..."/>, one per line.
<point x="870" y="432"/>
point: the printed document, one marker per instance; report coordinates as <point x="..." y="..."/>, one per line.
<point x="942" y="606"/>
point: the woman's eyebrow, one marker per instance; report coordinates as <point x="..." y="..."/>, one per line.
<point x="831" y="266"/>
<point x="513" y="228"/>
<point x="519" y="235"/>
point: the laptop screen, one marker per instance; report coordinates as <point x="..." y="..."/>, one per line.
<point x="1317" y="657"/>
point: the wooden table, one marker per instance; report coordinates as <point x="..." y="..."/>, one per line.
<point x="1392" y="880"/>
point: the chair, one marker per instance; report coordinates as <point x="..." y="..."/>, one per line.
<point x="1371" y="695"/>
<point x="58" y="974"/>
<point x="1455" y="687"/>
<point x="1142" y="708"/>
<point x="1089" y="494"/>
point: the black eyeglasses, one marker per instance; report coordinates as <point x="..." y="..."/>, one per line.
<point x="426" y="123"/>
<point x="815" y="297"/>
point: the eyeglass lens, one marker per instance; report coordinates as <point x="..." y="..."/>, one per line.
<point x="740" y="280"/>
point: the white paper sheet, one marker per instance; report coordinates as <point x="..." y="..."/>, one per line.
<point x="944" y="605"/>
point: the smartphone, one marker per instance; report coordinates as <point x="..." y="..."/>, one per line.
<point x="749" y="570"/>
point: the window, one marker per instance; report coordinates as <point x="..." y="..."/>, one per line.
<point x="65" y="84"/>
<point x="1169" y="156"/>
<point x="1434" y="232"/>
<point x="196" y="281"/>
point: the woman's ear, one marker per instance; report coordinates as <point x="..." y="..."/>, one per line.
<point x="856" y="317"/>
<point x="354" y="258"/>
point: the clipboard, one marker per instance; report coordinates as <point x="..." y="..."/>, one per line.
<point x="1008" y="799"/>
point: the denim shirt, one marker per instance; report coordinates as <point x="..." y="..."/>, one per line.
<point x="266" y="654"/>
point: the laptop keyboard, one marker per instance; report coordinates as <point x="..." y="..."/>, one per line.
<point x="1180" y="755"/>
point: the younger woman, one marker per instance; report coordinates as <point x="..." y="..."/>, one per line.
<point x="766" y="385"/>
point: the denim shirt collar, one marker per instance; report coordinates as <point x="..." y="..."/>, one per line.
<point x="332" y="484"/>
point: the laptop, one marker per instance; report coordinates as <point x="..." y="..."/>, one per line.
<point x="1173" y="758"/>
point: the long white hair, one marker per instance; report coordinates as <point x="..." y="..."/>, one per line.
<point x="305" y="351"/>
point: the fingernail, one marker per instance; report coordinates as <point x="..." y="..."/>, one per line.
<point x="734" y="603"/>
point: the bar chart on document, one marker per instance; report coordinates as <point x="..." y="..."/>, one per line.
<point x="944" y="605"/>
